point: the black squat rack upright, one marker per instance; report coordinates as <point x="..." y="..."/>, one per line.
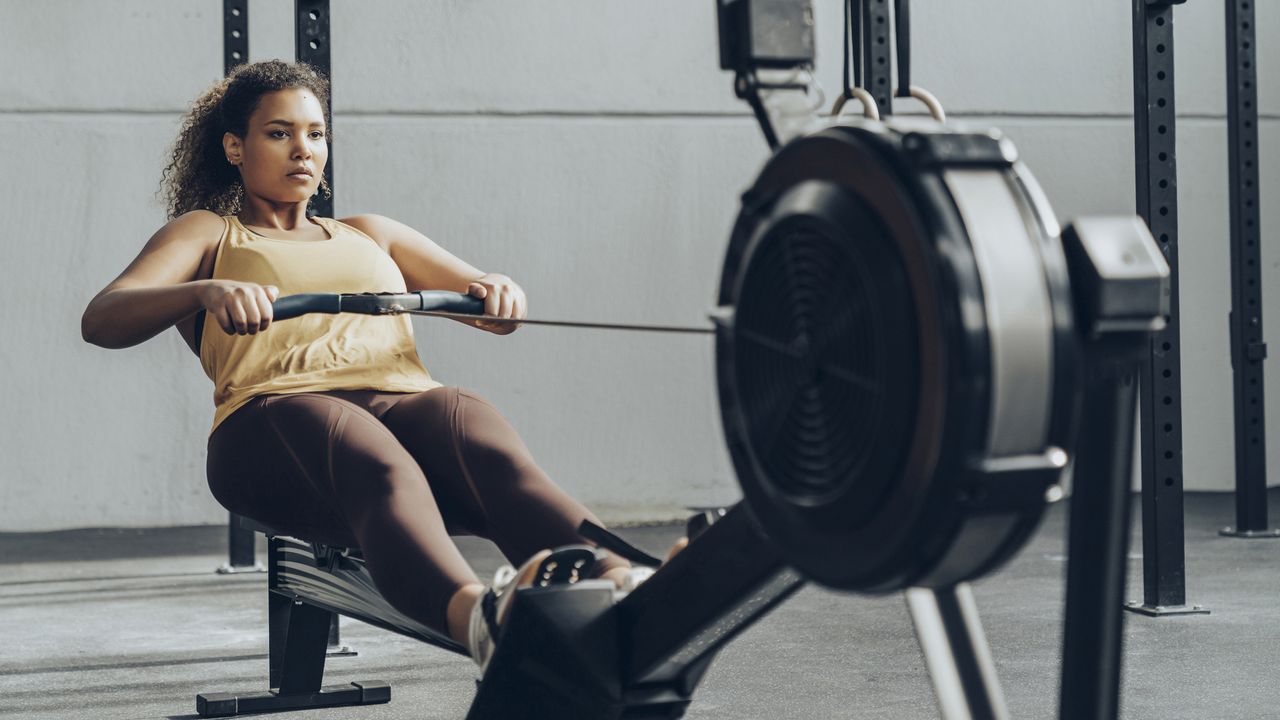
<point x="235" y="52"/>
<point x="1164" y="566"/>
<point x="1248" y="350"/>
<point x="1160" y="405"/>
<point x="868" y="32"/>
<point x="311" y="41"/>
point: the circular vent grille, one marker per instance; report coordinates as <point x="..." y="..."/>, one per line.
<point x="826" y="361"/>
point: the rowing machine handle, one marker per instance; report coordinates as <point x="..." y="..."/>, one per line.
<point x="375" y="303"/>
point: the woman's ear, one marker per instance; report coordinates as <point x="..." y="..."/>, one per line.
<point x="232" y="146"/>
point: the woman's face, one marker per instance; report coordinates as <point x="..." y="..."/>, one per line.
<point x="283" y="153"/>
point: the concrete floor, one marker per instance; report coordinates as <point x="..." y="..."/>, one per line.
<point x="133" y="624"/>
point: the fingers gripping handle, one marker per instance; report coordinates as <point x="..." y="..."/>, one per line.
<point x="375" y="303"/>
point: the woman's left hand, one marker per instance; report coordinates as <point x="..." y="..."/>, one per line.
<point x="502" y="298"/>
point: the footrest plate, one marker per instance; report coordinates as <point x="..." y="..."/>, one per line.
<point x="1162" y="610"/>
<point x="230" y="704"/>
<point x="1265" y="533"/>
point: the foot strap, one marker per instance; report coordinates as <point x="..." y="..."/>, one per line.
<point x="489" y="611"/>
<point x="565" y="565"/>
<point x="609" y="541"/>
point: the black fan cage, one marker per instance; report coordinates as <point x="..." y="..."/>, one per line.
<point x="826" y="360"/>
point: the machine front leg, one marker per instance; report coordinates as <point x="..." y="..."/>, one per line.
<point x="956" y="653"/>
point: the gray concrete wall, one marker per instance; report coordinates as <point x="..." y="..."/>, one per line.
<point x="594" y="151"/>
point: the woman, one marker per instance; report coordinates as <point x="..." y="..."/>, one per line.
<point x="328" y="427"/>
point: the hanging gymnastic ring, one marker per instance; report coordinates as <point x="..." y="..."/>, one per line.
<point x="929" y="100"/>
<point x="870" y="110"/>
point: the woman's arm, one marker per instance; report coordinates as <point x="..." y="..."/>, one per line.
<point x="427" y="266"/>
<point x="160" y="287"/>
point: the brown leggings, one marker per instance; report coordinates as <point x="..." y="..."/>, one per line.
<point x="393" y="474"/>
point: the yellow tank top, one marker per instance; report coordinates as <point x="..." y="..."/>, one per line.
<point x="313" y="352"/>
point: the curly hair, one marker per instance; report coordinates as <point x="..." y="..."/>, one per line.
<point x="198" y="176"/>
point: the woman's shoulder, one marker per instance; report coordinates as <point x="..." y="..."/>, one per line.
<point x="378" y="228"/>
<point x="196" y="224"/>
<point x="200" y="228"/>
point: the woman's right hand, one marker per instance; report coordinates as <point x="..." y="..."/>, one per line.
<point x="240" y="308"/>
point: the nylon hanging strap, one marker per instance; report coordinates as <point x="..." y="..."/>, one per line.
<point x="902" y="31"/>
<point x="853" y="42"/>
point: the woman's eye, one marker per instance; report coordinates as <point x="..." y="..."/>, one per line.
<point x="279" y="134"/>
<point x="317" y="134"/>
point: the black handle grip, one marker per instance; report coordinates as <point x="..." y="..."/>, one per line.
<point x="375" y="303"/>
<point x="295" y="305"/>
<point x="453" y="302"/>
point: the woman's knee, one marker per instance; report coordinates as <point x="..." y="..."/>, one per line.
<point x="360" y="478"/>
